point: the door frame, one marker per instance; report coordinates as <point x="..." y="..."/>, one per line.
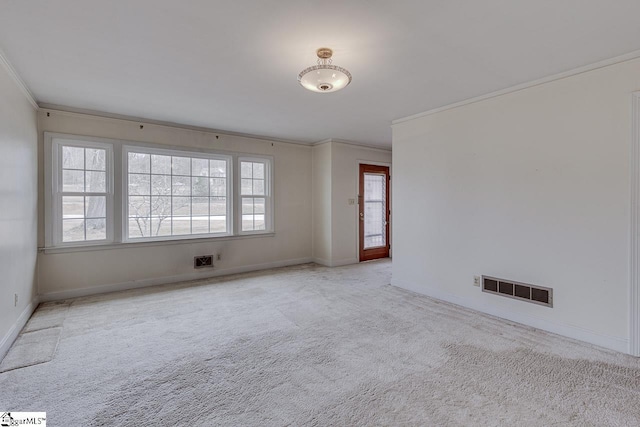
<point x="634" y="252"/>
<point x="356" y="215"/>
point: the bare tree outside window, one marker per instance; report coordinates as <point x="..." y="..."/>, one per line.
<point x="175" y="195"/>
<point x="84" y="188"/>
<point x="166" y="192"/>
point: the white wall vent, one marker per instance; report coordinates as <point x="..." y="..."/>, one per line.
<point x="522" y="291"/>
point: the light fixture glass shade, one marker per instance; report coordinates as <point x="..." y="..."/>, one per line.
<point x="324" y="78"/>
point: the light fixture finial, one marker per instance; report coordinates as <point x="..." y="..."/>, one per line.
<point x="324" y="53"/>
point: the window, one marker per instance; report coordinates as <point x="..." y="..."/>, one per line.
<point x="375" y="210"/>
<point x="82" y="192"/>
<point x="105" y="191"/>
<point x="255" y="197"/>
<point x="172" y="193"/>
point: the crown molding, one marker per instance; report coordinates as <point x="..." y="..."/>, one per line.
<point x="16" y="78"/>
<point x="72" y="111"/>
<point x="634" y="252"/>
<point x="573" y="72"/>
<point x="319" y="143"/>
<point x="355" y="144"/>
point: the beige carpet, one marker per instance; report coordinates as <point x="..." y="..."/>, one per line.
<point x="312" y="346"/>
<point x="38" y="339"/>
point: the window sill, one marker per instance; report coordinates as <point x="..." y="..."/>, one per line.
<point x="129" y="245"/>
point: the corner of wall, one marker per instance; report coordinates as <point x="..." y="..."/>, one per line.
<point x="322" y="180"/>
<point x="634" y="253"/>
<point x="10" y="337"/>
<point x="18" y="207"/>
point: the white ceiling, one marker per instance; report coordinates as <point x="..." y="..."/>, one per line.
<point x="232" y="65"/>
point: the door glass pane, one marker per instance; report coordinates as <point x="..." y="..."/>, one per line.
<point x="375" y="207"/>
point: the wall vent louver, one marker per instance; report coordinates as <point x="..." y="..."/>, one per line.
<point x="203" y="261"/>
<point x="532" y="293"/>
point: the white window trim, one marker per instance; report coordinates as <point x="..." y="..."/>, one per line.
<point x="126" y="149"/>
<point x="116" y="206"/>
<point x="53" y="182"/>
<point x="268" y="166"/>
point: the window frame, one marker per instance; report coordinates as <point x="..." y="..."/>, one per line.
<point x="127" y="148"/>
<point x="54" y="204"/>
<point x="117" y="195"/>
<point x="267" y="161"/>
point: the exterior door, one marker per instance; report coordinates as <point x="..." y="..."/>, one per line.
<point x="373" y="212"/>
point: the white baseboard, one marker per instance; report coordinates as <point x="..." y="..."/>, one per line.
<point x="322" y="261"/>
<point x="143" y="283"/>
<point x="10" y="337"/>
<point x="346" y="261"/>
<point x="570" y="331"/>
<point x="337" y="263"/>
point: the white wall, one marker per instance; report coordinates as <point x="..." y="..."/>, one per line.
<point x="71" y="273"/>
<point x="18" y="215"/>
<point x="346" y="159"/>
<point x="322" y="178"/>
<point x="531" y="186"/>
<point x="335" y="181"/>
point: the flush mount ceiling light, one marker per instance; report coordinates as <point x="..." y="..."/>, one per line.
<point x="324" y="77"/>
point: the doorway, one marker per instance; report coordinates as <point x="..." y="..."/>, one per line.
<point x="373" y="211"/>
